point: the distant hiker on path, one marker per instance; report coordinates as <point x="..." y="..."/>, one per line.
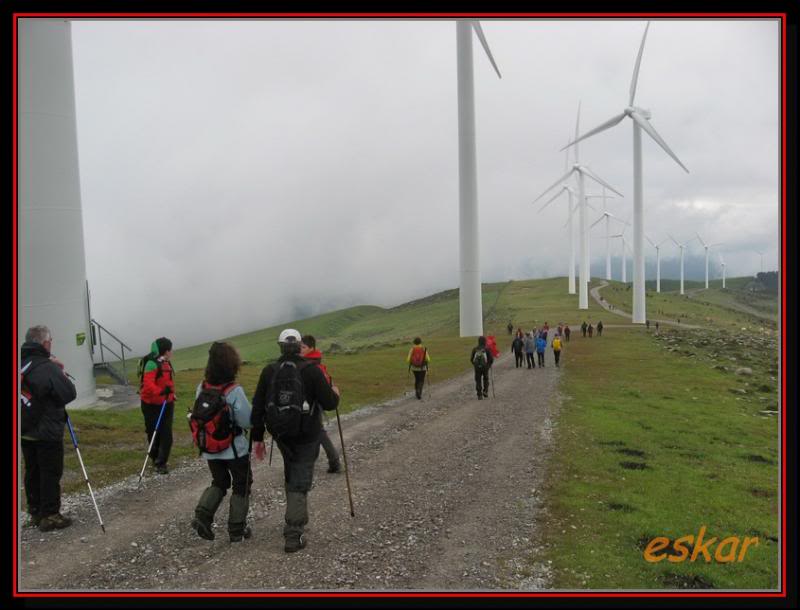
<point x="647" y="324"/>
<point x="530" y="350"/>
<point x="286" y="403"/>
<point x="517" y="346"/>
<point x="656" y="326"/>
<point x="418" y="359"/>
<point x="510" y="328"/>
<point x="157" y="385"/>
<point x="567" y="332"/>
<point x="584" y="327"/>
<point x="45" y="392"/>
<point x="229" y="458"/>
<point x="599" y="328"/>
<point x="541" y="345"/>
<point x="560" y="329"/>
<point x="309" y="351"/>
<point x="557" y="348"/>
<point x="481" y="359"/>
<point x="591" y="330"/>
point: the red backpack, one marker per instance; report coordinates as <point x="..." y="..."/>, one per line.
<point x="418" y="356"/>
<point x="491" y="345"/>
<point x="211" y="420"/>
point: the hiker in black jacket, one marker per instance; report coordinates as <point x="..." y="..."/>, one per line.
<point x="517" y="346"/>
<point x="481" y="369"/>
<point x="46" y="392"/>
<point x="299" y="452"/>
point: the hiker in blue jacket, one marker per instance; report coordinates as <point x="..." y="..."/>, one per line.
<point x="541" y="345"/>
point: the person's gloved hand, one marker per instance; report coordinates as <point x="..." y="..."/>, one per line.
<point x="259" y="450"/>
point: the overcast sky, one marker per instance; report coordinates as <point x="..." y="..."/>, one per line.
<point x="236" y="174"/>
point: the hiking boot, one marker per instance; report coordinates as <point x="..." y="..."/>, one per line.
<point x="161" y="469"/>
<point x="246" y="535"/>
<point x="486" y="394"/>
<point x="203" y="529"/>
<point x="295" y="543"/>
<point x="334" y="467"/>
<point x="54" y="522"/>
<point x="480" y="396"/>
<point x="33" y="521"/>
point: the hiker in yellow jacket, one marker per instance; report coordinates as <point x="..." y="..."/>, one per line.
<point x="557" y="347"/>
<point x="418" y="359"/>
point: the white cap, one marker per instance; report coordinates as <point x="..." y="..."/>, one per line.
<point x="288" y="335"/>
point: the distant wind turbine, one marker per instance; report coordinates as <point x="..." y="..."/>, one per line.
<point x="469" y="296"/>
<point x="607" y="216"/>
<point x="657" y="246"/>
<point x="681" y="246"/>
<point x="722" y="262"/>
<point x="761" y="254"/>
<point x="624" y="258"/>
<point x="707" y="248"/>
<point x="641" y="121"/>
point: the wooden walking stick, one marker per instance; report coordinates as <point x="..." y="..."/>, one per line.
<point x="346" y="469"/>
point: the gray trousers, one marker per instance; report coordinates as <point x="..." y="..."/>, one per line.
<point x="327" y="445"/>
<point x="298" y="474"/>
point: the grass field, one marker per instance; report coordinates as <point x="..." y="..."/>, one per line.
<point x="658" y="434"/>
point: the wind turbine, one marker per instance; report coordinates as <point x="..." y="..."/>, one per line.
<point x="722" y="262"/>
<point x="658" y="260"/>
<point x="565" y="188"/>
<point x="761" y="254"/>
<point x="707" y="247"/>
<point x="681" y="246"/>
<point x="641" y="121"/>
<point x="582" y="172"/>
<point x="607" y="216"/>
<point x="469" y="295"/>
<point x="624" y="259"/>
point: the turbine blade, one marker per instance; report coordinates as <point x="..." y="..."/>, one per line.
<point x="719" y="243"/>
<point x="577" y="127"/>
<point x="650" y="240"/>
<point x="619" y="235"/>
<point x="596" y="222"/>
<point x="556" y="183"/>
<point x="551" y="200"/>
<point x="645" y="124"/>
<point x="673" y="239"/>
<point x="701" y="239"/>
<point x="609" y="123"/>
<point x="635" y="78"/>
<point x="476" y="25"/>
<point x="597" y="179"/>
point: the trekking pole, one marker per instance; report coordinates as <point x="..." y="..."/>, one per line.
<point x="346" y="469"/>
<point x="271" y="443"/>
<point x="152" y="440"/>
<point x="83" y="468"/>
<point x="491" y="378"/>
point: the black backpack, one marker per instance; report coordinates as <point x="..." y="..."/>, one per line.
<point x="480" y="360"/>
<point x="211" y="419"/>
<point x="288" y="413"/>
<point x="31" y="408"/>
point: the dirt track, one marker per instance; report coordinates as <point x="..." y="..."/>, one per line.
<point x="446" y="497"/>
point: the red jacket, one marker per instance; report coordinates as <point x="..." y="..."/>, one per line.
<point x="153" y="383"/>
<point x="315" y="356"/>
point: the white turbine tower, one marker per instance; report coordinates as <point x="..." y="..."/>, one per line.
<point x="641" y="121"/>
<point x="722" y="262"/>
<point x="681" y="246"/>
<point x="607" y="216"/>
<point x="657" y="246"/>
<point x="582" y="172"/>
<point x="624" y="259"/>
<point x="469" y="296"/>
<point x="761" y="254"/>
<point x="707" y="248"/>
<point x="565" y="188"/>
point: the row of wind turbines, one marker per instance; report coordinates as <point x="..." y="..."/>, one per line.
<point x="471" y="323"/>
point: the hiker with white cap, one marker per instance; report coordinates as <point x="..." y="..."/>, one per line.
<point x="287" y="404"/>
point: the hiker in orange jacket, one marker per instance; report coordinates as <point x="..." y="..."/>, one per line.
<point x="418" y="360"/>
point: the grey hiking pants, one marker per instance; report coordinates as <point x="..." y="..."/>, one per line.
<point x="298" y="474"/>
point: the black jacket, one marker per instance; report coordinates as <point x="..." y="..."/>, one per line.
<point x="489" y="357"/>
<point x="517" y="344"/>
<point x="51" y="389"/>
<point x="316" y="389"/>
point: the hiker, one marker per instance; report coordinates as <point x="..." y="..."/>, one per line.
<point x="584" y="327"/>
<point x="530" y="350"/>
<point x="157" y="385"/>
<point x="517" y="345"/>
<point x="228" y="459"/>
<point x="418" y="359"/>
<point x="656" y="326"/>
<point x="647" y="324"/>
<point x="278" y="387"/>
<point x="510" y="327"/>
<point x="599" y="328"/>
<point x="556" y="345"/>
<point x="541" y="345"/>
<point x="491" y="345"/>
<point x="567" y="332"/>
<point x="46" y="390"/>
<point x="309" y="351"/>
<point x="591" y="330"/>
<point x="481" y="359"/>
<point x="543" y="332"/>
<point x="560" y="329"/>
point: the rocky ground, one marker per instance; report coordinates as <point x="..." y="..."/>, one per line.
<point x="446" y="494"/>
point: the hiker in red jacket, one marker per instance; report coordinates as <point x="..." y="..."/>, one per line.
<point x="157" y="386"/>
<point x="418" y="359"/>
<point x="309" y="351"/>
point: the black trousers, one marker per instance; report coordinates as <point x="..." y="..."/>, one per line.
<point x="518" y="359"/>
<point x="163" y="443"/>
<point x="44" y="465"/>
<point x="327" y="445"/>
<point x="557" y="355"/>
<point x="482" y="381"/>
<point x="541" y="358"/>
<point x="236" y="472"/>
<point x="529" y="359"/>
<point x="419" y="382"/>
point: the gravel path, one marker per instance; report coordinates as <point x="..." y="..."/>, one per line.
<point x="446" y="495"/>
<point x="595" y="292"/>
